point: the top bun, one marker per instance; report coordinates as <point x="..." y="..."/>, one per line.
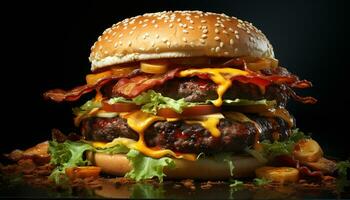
<point x="178" y="34"/>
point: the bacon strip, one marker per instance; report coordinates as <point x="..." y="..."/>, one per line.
<point x="60" y="95"/>
<point x="133" y="84"/>
<point x="132" y="87"/>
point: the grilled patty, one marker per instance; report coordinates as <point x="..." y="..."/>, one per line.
<point x="189" y="138"/>
<point x="199" y="90"/>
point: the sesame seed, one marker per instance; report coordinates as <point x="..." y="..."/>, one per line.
<point x="203" y="21"/>
<point x="184" y="39"/>
<point x="129" y="44"/>
<point x="191" y="21"/>
<point x="226" y="53"/>
<point x="212" y="49"/>
<point x="248" y="31"/>
<point x="153" y="21"/>
<point x="221" y="44"/>
<point x="236" y="49"/>
<point x="237" y="37"/>
<point x="168" y="43"/>
<point x="121" y="35"/>
<point x="157" y="36"/>
<point x="144" y="25"/>
<point x="204" y="36"/>
<point x="106" y="52"/>
<point x="202" y="41"/>
<point x="115" y="45"/>
<point x="152" y="44"/>
<point x="240" y="21"/>
<point x="178" y="20"/>
<point x="164" y="40"/>
<point x="184" y="25"/>
<point x="217" y="25"/>
<point x="216" y="30"/>
<point x="225" y="32"/>
<point x="217" y="49"/>
<point x="185" y="31"/>
<point x="231" y="42"/>
<point x="99" y="38"/>
<point x="133" y="28"/>
<point x="190" y="27"/>
<point x="142" y="49"/>
<point x="170" y="25"/>
<point x="230" y="29"/>
<point x="217" y="38"/>
<point x="205" y="31"/>
<point x="236" y="32"/>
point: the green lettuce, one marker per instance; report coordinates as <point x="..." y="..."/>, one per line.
<point x="151" y="101"/>
<point x="71" y="154"/>
<point x="276" y="148"/>
<point x="261" y="181"/>
<point x="113" y="150"/>
<point x="342" y="167"/>
<point x="64" y="155"/>
<point x="144" y="167"/>
<point x="87" y="107"/>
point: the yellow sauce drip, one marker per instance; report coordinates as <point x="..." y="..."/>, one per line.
<point x="210" y="124"/>
<point x="220" y="76"/>
<point x="139" y="122"/>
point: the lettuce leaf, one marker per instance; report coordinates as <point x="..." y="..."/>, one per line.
<point x="146" y="167"/>
<point x="113" y="150"/>
<point x="64" y="155"/>
<point x="276" y="148"/>
<point x="151" y="101"/>
<point x="86" y="107"/>
<point x="71" y="154"/>
<point x="261" y="181"/>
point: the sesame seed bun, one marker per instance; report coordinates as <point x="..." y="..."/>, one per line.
<point x="178" y="34"/>
<point x="203" y="168"/>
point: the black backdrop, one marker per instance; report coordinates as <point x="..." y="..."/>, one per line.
<point x="47" y="45"/>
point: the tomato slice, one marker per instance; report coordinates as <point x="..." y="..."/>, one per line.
<point x="190" y="111"/>
<point x="119" y="107"/>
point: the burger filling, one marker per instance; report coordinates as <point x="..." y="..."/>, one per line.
<point x="182" y="137"/>
<point x="155" y="113"/>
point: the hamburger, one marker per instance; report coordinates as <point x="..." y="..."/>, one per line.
<point x="183" y="94"/>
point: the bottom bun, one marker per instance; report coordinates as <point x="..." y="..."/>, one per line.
<point x="203" y="168"/>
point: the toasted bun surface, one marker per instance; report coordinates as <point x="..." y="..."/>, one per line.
<point x="178" y="34"/>
<point x="203" y="168"/>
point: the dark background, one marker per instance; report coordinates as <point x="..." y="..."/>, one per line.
<point x="46" y="45"/>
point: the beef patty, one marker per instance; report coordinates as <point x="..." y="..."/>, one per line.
<point x="199" y="90"/>
<point x="189" y="138"/>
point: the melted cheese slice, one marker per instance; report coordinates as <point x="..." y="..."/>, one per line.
<point x="220" y="76"/>
<point x="139" y="122"/>
<point x="210" y="124"/>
